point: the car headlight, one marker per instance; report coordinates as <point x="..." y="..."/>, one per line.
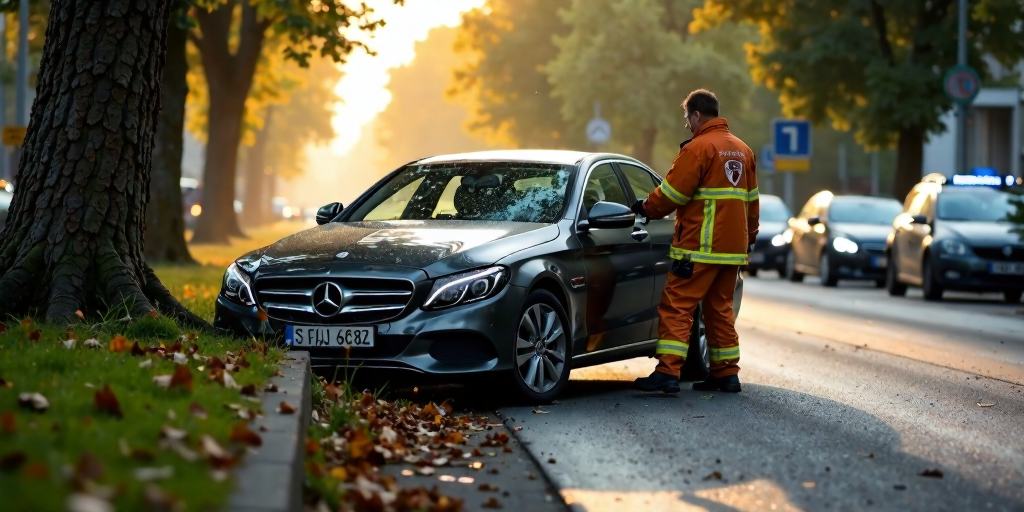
<point x="787" y="236"/>
<point x="955" y="248"/>
<point x="779" y="240"/>
<point x="237" y="286"/>
<point x="466" y="288"/>
<point x="842" y="244"/>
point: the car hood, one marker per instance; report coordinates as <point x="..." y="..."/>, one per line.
<point x="438" y="247"/>
<point x="862" y="232"/>
<point x="770" y="229"/>
<point x="983" y="233"/>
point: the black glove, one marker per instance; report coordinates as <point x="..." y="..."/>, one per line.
<point x="638" y="208"/>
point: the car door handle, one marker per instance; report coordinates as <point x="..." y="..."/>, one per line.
<point x="639" y="234"/>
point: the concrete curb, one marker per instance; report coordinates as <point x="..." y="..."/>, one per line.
<point x="271" y="479"/>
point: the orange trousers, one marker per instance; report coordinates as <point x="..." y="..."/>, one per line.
<point x="714" y="285"/>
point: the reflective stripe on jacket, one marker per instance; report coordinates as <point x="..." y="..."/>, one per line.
<point x="713" y="187"/>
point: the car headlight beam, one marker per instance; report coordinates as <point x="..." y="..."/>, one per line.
<point x="842" y="244"/>
<point x="237" y="286"/>
<point x="465" y="288"/>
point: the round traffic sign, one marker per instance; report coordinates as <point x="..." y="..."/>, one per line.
<point x="598" y="131"/>
<point x="962" y="84"/>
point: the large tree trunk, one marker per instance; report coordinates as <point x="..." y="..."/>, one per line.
<point x="909" y="159"/>
<point x="74" y="240"/>
<point x="256" y="204"/>
<point x="165" y="227"/>
<point x="644" y="149"/>
<point x="228" y="78"/>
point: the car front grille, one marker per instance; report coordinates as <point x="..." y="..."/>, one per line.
<point x="874" y="248"/>
<point x="997" y="254"/>
<point x="366" y="300"/>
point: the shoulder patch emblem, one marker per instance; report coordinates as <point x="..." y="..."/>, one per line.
<point x="733" y="171"/>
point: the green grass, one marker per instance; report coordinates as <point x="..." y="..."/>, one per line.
<point x="73" y="426"/>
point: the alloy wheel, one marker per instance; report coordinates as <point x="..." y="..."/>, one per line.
<point x="540" y="348"/>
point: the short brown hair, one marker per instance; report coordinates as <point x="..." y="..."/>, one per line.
<point x="703" y="101"/>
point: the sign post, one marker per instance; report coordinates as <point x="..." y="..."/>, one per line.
<point x="598" y="130"/>
<point x="791" y="151"/>
<point x="766" y="162"/>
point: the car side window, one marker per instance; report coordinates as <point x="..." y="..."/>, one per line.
<point x="641" y="181"/>
<point x="603" y="185"/>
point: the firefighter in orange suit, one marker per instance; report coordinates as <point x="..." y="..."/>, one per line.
<point x="713" y="186"/>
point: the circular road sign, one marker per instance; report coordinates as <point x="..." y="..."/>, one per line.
<point x="962" y="84"/>
<point x="598" y="131"/>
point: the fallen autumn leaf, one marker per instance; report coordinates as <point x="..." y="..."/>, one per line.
<point x="106" y="401"/>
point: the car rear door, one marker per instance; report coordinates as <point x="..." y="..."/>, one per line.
<point x="619" y="268"/>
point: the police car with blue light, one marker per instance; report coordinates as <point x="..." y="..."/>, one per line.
<point x="955" y="234"/>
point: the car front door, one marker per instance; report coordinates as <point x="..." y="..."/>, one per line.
<point x="619" y="269"/>
<point x="661" y="232"/>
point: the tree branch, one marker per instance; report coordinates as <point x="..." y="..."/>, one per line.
<point x="878" y="16"/>
<point x="250" y="45"/>
<point x="215" y="26"/>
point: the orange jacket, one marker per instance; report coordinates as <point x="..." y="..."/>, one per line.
<point x="713" y="185"/>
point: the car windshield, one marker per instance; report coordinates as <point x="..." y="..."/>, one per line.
<point x="976" y="205"/>
<point x="491" y="191"/>
<point x="868" y="211"/>
<point x="773" y="210"/>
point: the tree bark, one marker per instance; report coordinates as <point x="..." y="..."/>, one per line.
<point x="256" y="204"/>
<point x="909" y="159"/>
<point x="228" y="78"/>
<point x="74" y="240"/>
<point x="165" y="227"/>
<point x="644" y="149"/>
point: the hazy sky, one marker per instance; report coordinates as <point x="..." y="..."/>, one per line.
<point x="363" y="90"/>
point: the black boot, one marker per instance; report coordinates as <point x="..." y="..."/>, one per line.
<point x="657" y="381"/>
<point x="727" y="384"/>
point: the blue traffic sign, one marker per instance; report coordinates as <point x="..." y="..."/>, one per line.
<point x="791" y="138"/>
<point x="767" y="158"/>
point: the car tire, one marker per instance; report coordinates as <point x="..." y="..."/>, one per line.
<point x="791" y="272"/>
<point x="697" y="367"/>
<point x="880" y="283"/>
<point x="825" y="271"/>
<point x="542" y="338"/>
<point x="1013" y="296"/>
<point x="929" y="285"/>
<point x="892" y="279"/>
<point x="752" y="272"/>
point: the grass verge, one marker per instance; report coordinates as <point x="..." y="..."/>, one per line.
<point x="122" y="429"/>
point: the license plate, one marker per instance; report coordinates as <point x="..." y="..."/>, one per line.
<point x="756" y="257"/>
<point x="879" y="261"/>
<point x="334" y="336"/>
<point x="1007" y="268"/>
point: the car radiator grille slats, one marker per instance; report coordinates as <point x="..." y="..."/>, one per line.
<point x="366" y="300"/>
<point x="875" y="248"/>
<point x="999" y="253"/>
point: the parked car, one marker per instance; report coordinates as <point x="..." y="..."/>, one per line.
<point x="517" y="265"/>
<point x="955" y="237"/>
<point x="840" y="237"/>
<point x="771" y="247"/>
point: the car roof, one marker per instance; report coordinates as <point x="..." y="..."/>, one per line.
<point x="549" y="156"/>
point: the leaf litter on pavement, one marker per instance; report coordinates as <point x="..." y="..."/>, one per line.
<point x="359" y="433"/>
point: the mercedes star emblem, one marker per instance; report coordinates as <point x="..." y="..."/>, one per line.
<point x="328" y="299"/>
<point x="1007" y="251"/>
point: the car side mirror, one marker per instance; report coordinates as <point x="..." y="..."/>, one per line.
<point x="814" y="221"/>
<point x="328" y="212"/>
<point x="918" y="219"/>
<point x="605" y="215"/>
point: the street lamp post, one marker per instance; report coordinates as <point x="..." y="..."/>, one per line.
<point x="961" y="108"/>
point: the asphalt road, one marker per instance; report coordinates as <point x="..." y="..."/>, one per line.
<point x="849" y="395"/>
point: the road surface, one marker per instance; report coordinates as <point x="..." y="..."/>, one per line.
<point x="849" y="395"/>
